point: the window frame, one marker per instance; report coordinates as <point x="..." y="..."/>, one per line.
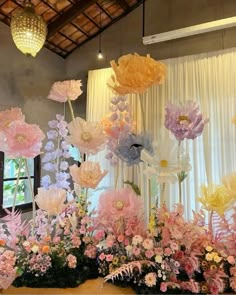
<point x="36" y="177"/>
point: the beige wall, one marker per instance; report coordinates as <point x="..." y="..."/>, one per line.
<point x="125" y="36"/>
<point x="25" y="81"/>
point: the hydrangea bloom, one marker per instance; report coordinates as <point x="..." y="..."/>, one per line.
<point x="165" y="163"/>
<point x="62" y="91"/>
<point x="88" y="175"/>
<point x="184" y="121"/>
<point x="130" y="147"/>
<point x="135" y="73"/>
<point x="23" y="140"/>
<point x="87" y="136"/>
<point x="51" y="200"/>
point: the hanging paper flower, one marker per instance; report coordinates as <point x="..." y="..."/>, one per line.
<point x="8" y="116"/>
<point x="61" y="91"/>
<point x="88" y="175"/>
<point x="216" y="198"/>
<point x="184" y="121"/>
<point x="51" y="200"/>
<point x="23" y="140"/>
<point x="130" y="147"/>
<point x="135" y="73"/>
<point x="166" y="162"/>
<point x="88" y="137"/>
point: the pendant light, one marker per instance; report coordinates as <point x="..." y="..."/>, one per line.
<point x="28" y="30"/>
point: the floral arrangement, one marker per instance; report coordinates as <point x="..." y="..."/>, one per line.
<point x="64" y="244"/>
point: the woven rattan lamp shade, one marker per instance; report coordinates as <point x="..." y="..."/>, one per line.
<point x="28" y="30"/>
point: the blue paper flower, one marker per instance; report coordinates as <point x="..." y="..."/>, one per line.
<point x="130" y="147"/>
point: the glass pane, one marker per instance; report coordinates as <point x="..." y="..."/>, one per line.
<point x="23" y="195"/>
<point x="11" y="167"/>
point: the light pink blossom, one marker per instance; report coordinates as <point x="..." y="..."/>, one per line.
<point x="8" y="116"/>
<point x="72" y="261"/>
<point x="148" y="244"/>
<point x="51" y="200"/>
<point x="88" y="175"/>
<point x="87" y="136"/>
<point x="61" y="91"/>
<point x="23" y="140"/>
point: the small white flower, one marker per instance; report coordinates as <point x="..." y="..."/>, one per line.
<point x="35" y="248"/>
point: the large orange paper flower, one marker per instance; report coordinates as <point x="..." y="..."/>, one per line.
<point x="51" y="200"/>
<point x="88" y="175"/>
<point x="135" y="73"/>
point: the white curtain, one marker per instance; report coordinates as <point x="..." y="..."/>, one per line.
<point x="210" y="80"/>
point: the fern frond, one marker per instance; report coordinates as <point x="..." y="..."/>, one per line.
<point x="127" y="269"/>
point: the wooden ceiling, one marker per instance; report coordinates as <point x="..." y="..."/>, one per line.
<point x="71" y="23"/>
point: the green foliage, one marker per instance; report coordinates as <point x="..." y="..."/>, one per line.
<point x="134" y="187"/>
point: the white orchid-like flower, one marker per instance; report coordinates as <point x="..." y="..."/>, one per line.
<point x="167" y="161"/>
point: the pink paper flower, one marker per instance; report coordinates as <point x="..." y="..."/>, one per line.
<point x="51" y="200"/>
<point x="23" y="140"/>
<point x="88" y="175"/>
<point x="8" y="116"/>
<point x="87" y="136"/>
<point x="61" y="91"/>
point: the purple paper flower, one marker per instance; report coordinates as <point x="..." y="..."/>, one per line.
<point x="185" y="121"/>
<point x="130" y="147"/>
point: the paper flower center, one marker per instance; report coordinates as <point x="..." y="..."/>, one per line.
<point x="183" y="119"/>
<point x="164" y="163"/>
<point x="119" y="205"/>
<point x="21" y="138"/>
<point x="86" y="136"/>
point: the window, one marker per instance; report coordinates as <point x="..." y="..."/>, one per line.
<point x="8" y="179"/>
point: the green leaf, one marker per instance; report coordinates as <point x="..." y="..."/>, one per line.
<point x="134" y="187"/>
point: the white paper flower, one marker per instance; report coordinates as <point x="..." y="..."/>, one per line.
<point x="166" y="162"/>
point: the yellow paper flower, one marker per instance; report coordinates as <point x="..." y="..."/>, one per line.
<point x="135" y="73"/>
<point x="229" y="181"/>
<point x="234" y="120"/>
<point x="216" y="198"/>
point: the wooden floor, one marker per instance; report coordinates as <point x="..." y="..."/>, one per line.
<point x="89" y="287"/>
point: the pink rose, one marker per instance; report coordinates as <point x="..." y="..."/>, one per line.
<point x="102" y="256"/>
<point x="109" y="257"/>
<point x="121" y="238"/>
<point x="231" y="260"/>
<point x="163" y="287"/>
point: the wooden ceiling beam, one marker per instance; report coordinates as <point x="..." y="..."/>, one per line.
<point x="123" y="4"/>
<point x="68" y="16"/>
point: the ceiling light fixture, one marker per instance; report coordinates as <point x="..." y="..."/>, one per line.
<point x="28" y="30"/>
<point x="100" y="55"/>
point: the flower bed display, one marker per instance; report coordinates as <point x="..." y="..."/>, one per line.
<point x="65" y="243"/>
